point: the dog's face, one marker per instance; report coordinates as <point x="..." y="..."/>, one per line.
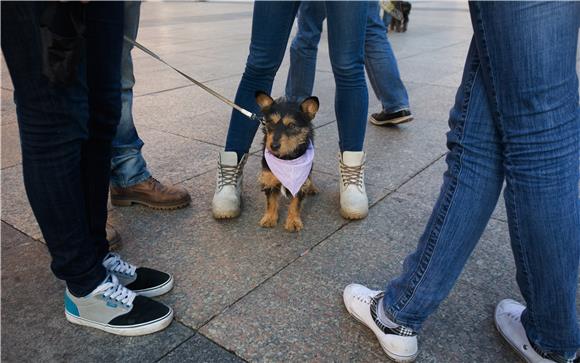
<point x="288" y="126"/>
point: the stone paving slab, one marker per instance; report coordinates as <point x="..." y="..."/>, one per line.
<point x="175" y="158"/>
<point x="205" y="118"/>
<point x="395" y="154"/>
<point x="217" y="262"/>
<point x="298" y="315"/>
<point x="11" y="154"/>
<point x="169" y="157"/>
<point x="16" y="210"/>
<point x="8" y="108"/>
<point x="34" y="328"/>
<point x="256" y="294"/>
<point x="5" y="76"/>
<point x="199" y="349"/>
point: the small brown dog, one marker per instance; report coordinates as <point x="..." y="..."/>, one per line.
<point x="288" y="135"/>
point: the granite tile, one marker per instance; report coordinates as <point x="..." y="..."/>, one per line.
<point x="175" y="158"/>
<point x="395" y="154"/>
<point x="16" y="210"/>
<point x="5" y="80"/>
<point x="425" y="188"/>
<point x="217" y="262"/>
<point x="10" y="145"/>
<point x="205" y="118"/>
<point x="33" y="325"/>
<point x="8" y="108"/>
<point x="298" y="315"/>
<point x="199" y="349"/>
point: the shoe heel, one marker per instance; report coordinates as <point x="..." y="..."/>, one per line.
<point x="121" y="203"/>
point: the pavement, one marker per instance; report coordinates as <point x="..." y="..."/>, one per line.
<point x="244" y="293"/>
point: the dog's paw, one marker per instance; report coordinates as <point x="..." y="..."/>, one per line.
<point x="293" y="225"/>
<point x="269" y="221"/>
<point x="311" y="190"/>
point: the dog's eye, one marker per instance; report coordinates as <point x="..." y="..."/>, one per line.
<point x="291" y="126"/>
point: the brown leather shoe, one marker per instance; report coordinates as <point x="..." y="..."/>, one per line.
<point x="113" y="237"/>
<point x="151" y="193"/>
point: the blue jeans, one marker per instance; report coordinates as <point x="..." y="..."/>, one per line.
<point x="128" y="167"/>
<point x="515" y="119"/>
<point x="380" y="61"/>
<point x="272" y="23"/>
<point x="66" y="135"/>
<point x="387" y="20"/>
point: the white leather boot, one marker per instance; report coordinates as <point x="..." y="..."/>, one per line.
<point x="227" y="199"/>
<point x="354" y="203"/>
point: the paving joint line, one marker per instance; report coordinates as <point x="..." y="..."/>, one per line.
<point x="24" y="233"/>
<point x="178" y="345"/>
<point x="498" y="219"/>
<point x="432" y="50"/>
<point x="196" y="333"/>
<point x="188" y="85"/>
<point x="308" y="250"/>
<point x="184" y="136"/>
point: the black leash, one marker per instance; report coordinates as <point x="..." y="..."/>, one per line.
<point x="243" y="111"/>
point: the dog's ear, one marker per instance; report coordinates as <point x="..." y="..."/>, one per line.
<point x="263" y="99"/>
<point x="310" y="106"/>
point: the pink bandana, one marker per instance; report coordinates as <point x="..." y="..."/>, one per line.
<point x="291" y="173"/>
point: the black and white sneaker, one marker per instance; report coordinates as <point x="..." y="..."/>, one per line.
<point x="507" y="321"/>
<point x="113" y="308"/>
<point x="395" y="118"/>
<point x="399" y="342"/>
<point x="142" y="280"/>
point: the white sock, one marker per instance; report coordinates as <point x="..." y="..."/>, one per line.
<point x="383" y="317"/>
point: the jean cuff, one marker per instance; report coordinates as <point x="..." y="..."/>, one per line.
<point x="83" y="285"/>
<point x="396" y="318"/>
<point x="395" y="108"/>
<point x="120" y="183"/>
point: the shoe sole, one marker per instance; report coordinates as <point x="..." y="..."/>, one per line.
<point x="157" y="206"/>
<point x="130" y="331"/>
<point x="353" y="215"/>
<point x="230" y="215"/>
<point x="395" y="121"/>
<point x="397" y="358"/>
<point x="157" y="290"/>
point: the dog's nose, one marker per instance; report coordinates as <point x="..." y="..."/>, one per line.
<point x="275" y="145"/>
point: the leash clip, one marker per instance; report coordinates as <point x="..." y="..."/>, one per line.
<point x="261" y="120"/>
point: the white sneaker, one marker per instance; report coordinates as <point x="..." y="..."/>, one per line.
<point x="227" y="199"/>
<point x="399" y="342"/>
<point x="354" y="203"/>
<point x="507" y="321"/>
<point x="113" y="308"/>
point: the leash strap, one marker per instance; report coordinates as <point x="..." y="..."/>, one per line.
<point x="243" y="111"/>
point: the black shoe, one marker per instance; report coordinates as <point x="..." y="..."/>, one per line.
<point x="395" y="118"/>
<point x="142" y="280"/>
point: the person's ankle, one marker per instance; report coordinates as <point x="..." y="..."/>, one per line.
<point x="82" y="291"/>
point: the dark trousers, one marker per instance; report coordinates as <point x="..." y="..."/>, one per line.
<point x="66" y="135"/>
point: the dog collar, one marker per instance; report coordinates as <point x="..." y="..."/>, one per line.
<point x="291" y="173"/>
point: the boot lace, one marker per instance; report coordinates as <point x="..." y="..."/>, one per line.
<point x="114" y="263"/>
<point x="352" y="175"/>
<point x="228" y="175"/>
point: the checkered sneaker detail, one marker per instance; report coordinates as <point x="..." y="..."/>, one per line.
<point x="399" y="330"/>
